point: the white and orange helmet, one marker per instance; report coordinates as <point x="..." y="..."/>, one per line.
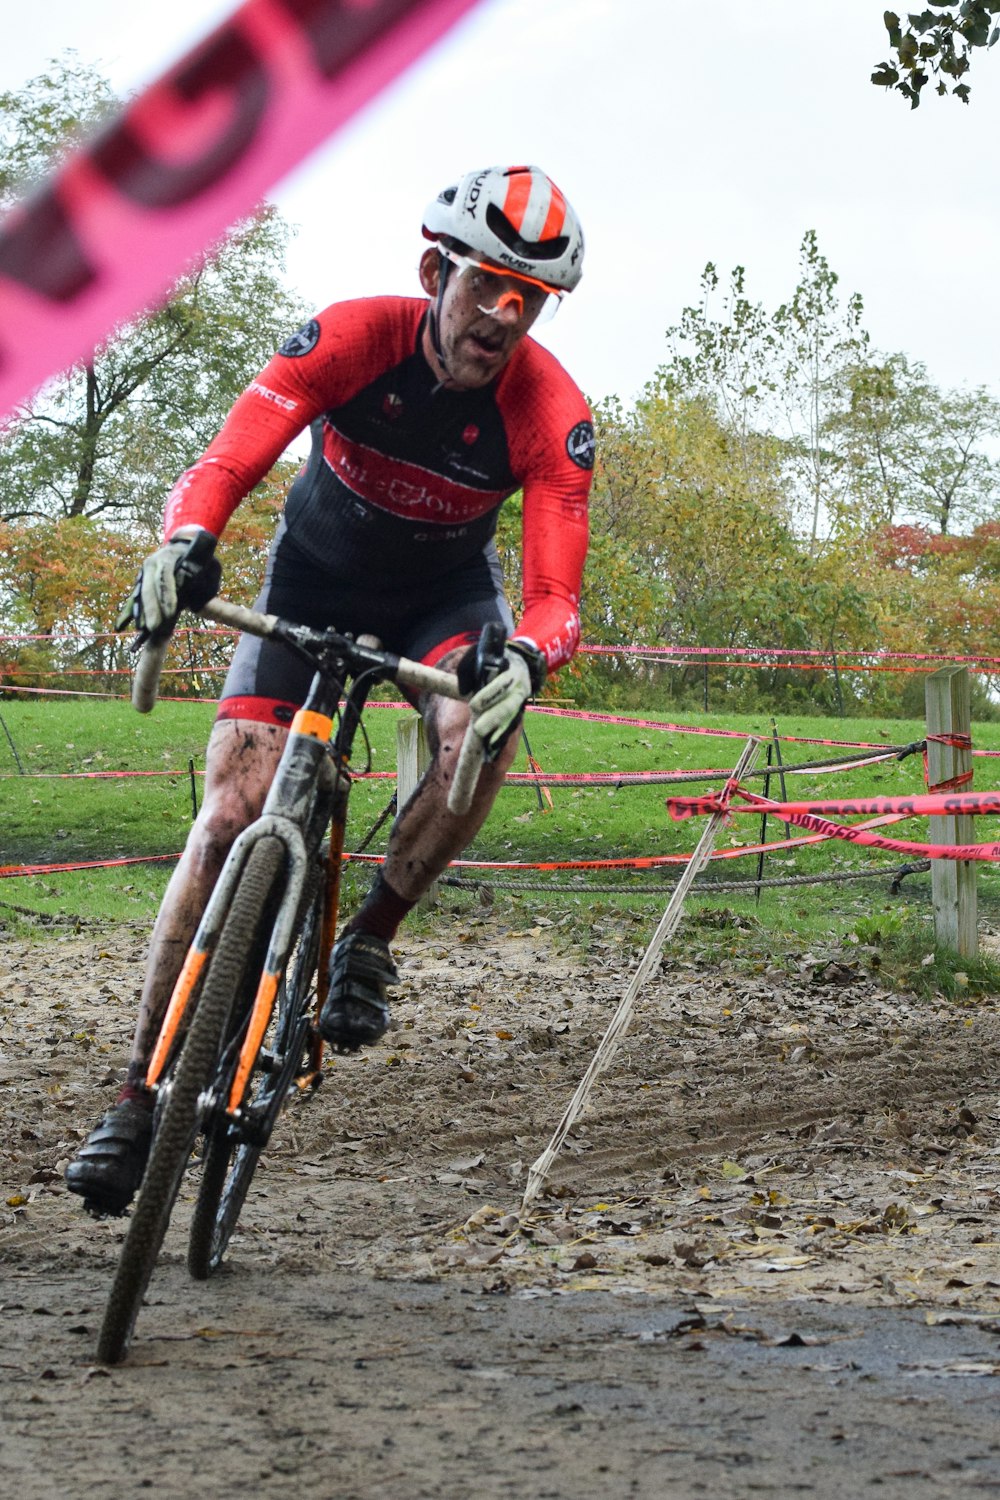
<point x="517" y="220"/>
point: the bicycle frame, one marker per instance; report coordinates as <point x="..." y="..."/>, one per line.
<point x="310" y="789"/>
<point x="209" y="1069"/>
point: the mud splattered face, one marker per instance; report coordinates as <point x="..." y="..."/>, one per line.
<point x="484" y="316"/>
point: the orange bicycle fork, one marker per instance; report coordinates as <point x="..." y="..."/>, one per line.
<point x="283" y="816"/>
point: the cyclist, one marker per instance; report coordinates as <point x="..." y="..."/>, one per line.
<point x="425" y="415"/>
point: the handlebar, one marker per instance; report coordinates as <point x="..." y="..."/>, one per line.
<point x="146" y="682"/>
<point x="399" y="669"/>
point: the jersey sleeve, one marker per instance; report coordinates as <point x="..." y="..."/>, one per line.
<point x="319" y="366"/>
<point x="552" y="453"/>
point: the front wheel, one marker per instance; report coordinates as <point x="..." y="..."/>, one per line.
<point x="182" y="1094"/>
<point x="232" y="1150"/>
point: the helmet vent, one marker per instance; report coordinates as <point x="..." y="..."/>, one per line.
<point x="504" y="230"/>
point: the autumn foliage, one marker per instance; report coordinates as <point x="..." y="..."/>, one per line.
<point x="779" y="486"/>
<point x="64" y="581"/>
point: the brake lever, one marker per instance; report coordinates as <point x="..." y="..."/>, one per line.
<point x="490" y="660"/>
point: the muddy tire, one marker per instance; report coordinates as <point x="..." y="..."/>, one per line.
<point x="229" y="1162"/>
<point x="179" y="1120"/>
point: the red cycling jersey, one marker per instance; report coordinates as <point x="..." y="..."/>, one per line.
<point x="405" y="478"/>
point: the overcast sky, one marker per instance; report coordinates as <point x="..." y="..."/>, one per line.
<point x="681" y="132"/>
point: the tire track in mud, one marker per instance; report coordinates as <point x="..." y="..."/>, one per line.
<point x="725" y="1094"/>
<point x="720" y="1072"/>
<point x="386" y="1324"/>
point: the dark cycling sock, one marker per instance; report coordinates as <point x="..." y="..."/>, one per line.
<point x="135" y="1093"/>
<point x="134" y="1090"/>
<point x="381" y="912"/>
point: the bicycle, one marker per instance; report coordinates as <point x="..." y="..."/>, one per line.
<point x="240" y="1028"/>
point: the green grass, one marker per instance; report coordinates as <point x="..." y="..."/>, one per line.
<point x="46" y="819"/>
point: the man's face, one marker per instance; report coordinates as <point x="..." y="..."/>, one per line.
<point x="484" y="317"/>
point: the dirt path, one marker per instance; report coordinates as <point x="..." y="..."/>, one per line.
<point x="769" y="1261"/>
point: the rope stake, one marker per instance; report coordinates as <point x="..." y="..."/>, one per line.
<point x="608" y="1045"/>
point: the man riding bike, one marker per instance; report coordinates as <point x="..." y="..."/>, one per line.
<point x="425" y="415"/>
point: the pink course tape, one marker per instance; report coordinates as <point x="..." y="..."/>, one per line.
<point x="107" y="235"/>
<point x="923" y="805"/>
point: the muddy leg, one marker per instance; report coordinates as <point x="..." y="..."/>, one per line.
<point x="241" y="761"/>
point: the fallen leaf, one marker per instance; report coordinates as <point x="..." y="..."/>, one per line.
<point x="466" y="1163"/>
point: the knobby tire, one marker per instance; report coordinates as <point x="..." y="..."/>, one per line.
<point x="230" y="1163"/>
<point x="179" y="1119"/>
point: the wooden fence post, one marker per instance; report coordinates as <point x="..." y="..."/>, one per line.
<point x="953" y="882"/>
<point x="412" y="757"/>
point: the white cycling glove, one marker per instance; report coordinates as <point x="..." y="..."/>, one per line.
<point x="497" y="708"/>
<point x="182" y="574"/>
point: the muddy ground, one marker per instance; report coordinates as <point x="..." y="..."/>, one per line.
<point x="767" y="1264"/>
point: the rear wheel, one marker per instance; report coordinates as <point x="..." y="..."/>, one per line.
<point x="232" y="1151"/>
<point x="178" y="1118"/>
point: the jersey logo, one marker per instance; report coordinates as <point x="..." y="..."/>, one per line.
<point x="580" y="445"/>
<point x="301" y="342"/>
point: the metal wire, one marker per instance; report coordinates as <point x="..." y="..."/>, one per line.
<point x="706" y="887"/>
<point x="389" y="808"/>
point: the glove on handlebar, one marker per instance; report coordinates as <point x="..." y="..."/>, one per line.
<point x="182" y="574"/>
<point x="497" y="708"/>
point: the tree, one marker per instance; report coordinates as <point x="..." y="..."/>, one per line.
<point x="728" y="356"/>
<point x="42" y="122"/>
<point x="818" y="341"/>
<point x="938" y="41"/>
<point x="941" y="594"/>
<point x="64" y="579"/>
<point x="918" y="454"/>
<point x="690" y="548"/>
<point x="109" y="437"/>
<point x="779" y="373"/>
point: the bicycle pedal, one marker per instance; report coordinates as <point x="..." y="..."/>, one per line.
<point x="253" y="1130"/>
